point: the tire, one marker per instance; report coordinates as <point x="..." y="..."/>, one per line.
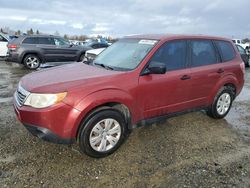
<point x="107" y="129"/>
<point x="32" y="61"/>
<point x="248" y="63"/>
<point x="81" y="58"/>
<point x="222" y="103"/>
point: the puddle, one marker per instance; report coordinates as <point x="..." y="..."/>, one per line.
<point x="8" y="99"/>
<point x="244" y="95"/>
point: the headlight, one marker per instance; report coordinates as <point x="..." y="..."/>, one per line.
<point x="44" y="100"/>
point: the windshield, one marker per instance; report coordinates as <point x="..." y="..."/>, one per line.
<point x="126" y="54"/>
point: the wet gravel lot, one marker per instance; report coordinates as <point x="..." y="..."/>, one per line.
<point x="191" y="150"/>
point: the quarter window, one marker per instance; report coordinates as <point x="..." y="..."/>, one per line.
<point x="30" y="40"/>
<point x="202" y="53"/>
<point x="173" y="54"/>
<point x="226" y="50"/>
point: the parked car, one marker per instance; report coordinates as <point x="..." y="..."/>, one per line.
<point x="136" y="81"/>
<point x="241" y="43"/>
<point x="96" y="44"/>
<point x="32" y="50"/>
<point x="3" y="45"/>
<point x="90" y="55"/>
<point x="244" y="55"/>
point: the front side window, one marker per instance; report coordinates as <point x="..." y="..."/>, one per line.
<point x="61" y="42"/>
<point x="30" y="40"/>
<point x="202" y="53"/>
<point x="226" y="50"/>
<point x="234" y="41"/>
<point x="125" y="54"/>
<point x="173" y="54"/>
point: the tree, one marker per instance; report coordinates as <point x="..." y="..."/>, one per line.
<point x="66" y="36"/>
<point x="30" y="32"/>
<point x="56" y="33"/>
<point x="1" y="30"/>
<point x="37" y="32"/>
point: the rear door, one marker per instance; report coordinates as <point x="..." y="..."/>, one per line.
<point x="3" y="46"/>
<point x="161" y="94"/>
<point x="206" y="70"/>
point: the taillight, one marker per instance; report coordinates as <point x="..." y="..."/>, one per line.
<point x="12" y="46"/>
<point x="242" y="66"/>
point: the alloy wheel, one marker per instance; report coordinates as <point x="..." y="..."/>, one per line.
<point x="105" y="135"/>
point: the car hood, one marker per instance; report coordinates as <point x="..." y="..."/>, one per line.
<point x="95" y="51"/>
<point x="65" y="78"/>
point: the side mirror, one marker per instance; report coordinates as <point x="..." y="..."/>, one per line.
<point x="155" y="68"/>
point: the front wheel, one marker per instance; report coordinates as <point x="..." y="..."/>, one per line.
<point x="103" y="133"/>
<point x="222" y="103"/>
<point x="32" y="61"/>
<point x="81" y="58"/>
<point x="248" y="63"/>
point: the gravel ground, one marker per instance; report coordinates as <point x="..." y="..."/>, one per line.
<point x="191" y="150"/>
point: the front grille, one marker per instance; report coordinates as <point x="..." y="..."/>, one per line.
<point x="21" y="95"/>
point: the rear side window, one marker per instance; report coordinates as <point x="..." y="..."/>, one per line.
<point x="46" y="40"/>
<point x="202" y="53"/>
<point x="226" y="50"/>
<point x="30" y="40"/>
<point x="173" y="54"/>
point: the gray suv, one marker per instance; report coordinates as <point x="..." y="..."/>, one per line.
<point x="33" y="50"/>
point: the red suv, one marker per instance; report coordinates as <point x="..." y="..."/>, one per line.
<point x="137" y="80"/>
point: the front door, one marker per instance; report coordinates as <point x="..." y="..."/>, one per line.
<point x="160" y="94"/>
<point x="65" y="51"/>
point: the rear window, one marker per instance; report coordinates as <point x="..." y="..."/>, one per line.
<point x="30" y="40"/>
<point x="226" y="50"/>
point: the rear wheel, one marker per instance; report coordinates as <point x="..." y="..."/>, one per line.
<point x="222" y="103"/>
<point x="32" y="61"/>
<point x="103" y="133"/>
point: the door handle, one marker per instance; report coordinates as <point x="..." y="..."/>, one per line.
<point x="185" y="77"/>
<point x="220" y="71"/>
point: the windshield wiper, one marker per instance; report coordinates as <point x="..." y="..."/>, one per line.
<point x="104" y="66"/>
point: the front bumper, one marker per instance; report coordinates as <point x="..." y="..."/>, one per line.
<point x="58" y="123"/>
<point x="47" y="135"/>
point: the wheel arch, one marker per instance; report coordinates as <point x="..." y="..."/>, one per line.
<point x="229" y="81"/>
<point x="123" y="109"/>
<point x="32" y="53"/>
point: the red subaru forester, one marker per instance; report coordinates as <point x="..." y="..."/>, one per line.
<point x="137" y="80"/>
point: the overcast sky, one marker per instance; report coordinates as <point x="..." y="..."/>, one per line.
<point x="122" y="17"/>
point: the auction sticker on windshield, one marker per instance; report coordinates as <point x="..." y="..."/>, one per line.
<point x="149" y="42"/>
